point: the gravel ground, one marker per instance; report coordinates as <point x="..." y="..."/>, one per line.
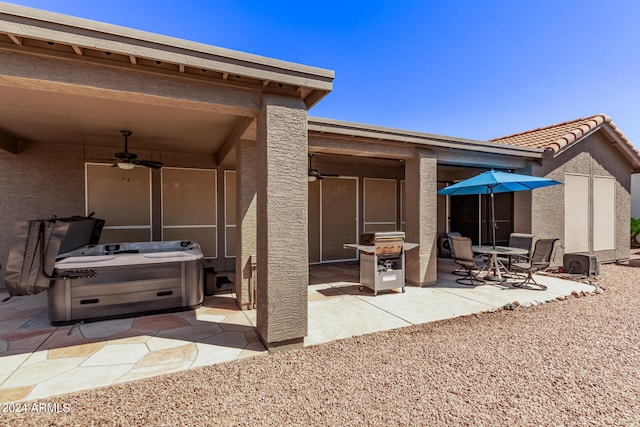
<point x="571" y="362"/>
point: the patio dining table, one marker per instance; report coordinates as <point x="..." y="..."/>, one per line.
<point x="495" y="266"/>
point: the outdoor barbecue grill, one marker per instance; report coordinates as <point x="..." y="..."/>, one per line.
<point x="382" y="260"/>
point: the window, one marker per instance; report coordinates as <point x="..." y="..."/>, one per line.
<point x="333" y="219"/>
<point x="604" y="213"/>
<point x="189" y="207"/>
<point x="576" y="214"/>
<point x="123" y="199"/>
<point x="379" y="205"/>
<point x="403" y="208"/>
<point x="229" y="214"/>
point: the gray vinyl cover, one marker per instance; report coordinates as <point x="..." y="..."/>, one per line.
<point x="34" y="249"/>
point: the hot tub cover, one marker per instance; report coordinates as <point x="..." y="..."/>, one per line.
<point x="37" y="243"/>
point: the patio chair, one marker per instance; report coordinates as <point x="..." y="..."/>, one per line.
<point x="460" y="271"/>
<point x="519" y="240"/>
<point x="462" y="254"/>
<point x="539" y="260"/>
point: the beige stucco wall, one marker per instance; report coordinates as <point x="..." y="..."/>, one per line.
<point x="594" y="156"/>
<point x="42" y="181"/>
<point x="46" y="180"/>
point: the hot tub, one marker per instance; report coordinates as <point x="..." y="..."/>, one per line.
<point x="125" y="279"/>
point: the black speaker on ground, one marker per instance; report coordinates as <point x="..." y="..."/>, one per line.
<point x="581" y="264"/>
<point x="444" y="251"/>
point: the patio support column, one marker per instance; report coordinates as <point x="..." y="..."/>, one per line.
<point x="282" y="248"/>
<point x="246" y="228"/>
<point x="422" y="218"/>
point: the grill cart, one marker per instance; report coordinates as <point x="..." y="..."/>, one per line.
<point x="382" y="260"/>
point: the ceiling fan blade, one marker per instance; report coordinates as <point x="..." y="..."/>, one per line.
<point x="317" y="175"/>
<point x="126" y="156"/>
<point x="149" y="163"/>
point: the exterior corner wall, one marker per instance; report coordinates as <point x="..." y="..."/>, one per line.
<point x="421" y="219"/>
<point x="282" y="205"/>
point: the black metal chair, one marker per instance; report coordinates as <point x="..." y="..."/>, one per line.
<point x="539" y="260"/>
<point x="462" y="254"/>
<point x="522" y="241"/>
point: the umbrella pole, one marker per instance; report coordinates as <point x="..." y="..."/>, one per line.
<point x="493" y="218"/>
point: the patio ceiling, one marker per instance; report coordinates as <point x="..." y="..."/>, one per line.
<point x="40" y="116"/>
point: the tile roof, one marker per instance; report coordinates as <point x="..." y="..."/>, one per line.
<point x="557" y="137"/>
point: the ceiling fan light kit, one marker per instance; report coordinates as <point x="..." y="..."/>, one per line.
<point x="125" y="165"/>
<point x="127" y="161"/>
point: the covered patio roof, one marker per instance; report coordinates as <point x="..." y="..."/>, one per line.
<point x="86" y="80"/>
<point x="329" y="136"/>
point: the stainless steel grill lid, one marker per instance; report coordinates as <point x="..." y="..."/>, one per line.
<point x="369" y="239"/>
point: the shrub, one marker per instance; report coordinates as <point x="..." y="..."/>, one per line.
<point x="635" y="227"/>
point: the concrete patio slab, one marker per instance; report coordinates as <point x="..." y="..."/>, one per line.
<point x="421" y="305"/>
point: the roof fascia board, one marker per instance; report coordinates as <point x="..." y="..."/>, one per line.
<point x="359" y="148"/>
<point x="356" y="130"/>
<point x="622" y="145"/>
<point x="32" y="23"/>
<point x="620" y="142"/>
<point x="479" y="159"/>
<point x="576" y="141"/>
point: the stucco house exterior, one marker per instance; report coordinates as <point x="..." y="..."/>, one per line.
<point x="595" y="160"/>
<point x="234" y="135"/>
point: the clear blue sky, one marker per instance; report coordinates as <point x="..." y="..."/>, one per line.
<point x="473" y="69"/>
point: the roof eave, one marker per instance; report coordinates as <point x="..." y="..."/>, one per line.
<point x="19" y="21"/>
<point x="623" y="144"/>
<point x="378" y="133"/>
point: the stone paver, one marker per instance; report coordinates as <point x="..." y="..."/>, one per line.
<point x="41" y="371"/>
<point x="83" y="350"/>
<point x="160" y="322"/>
<point x="123" y="353"/>
<point x="105" y="328"/>
<point x="169" y="356"/>
<point x="80" y="378"/>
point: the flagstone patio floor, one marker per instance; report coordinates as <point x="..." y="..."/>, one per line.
<point x="38" y="360"/>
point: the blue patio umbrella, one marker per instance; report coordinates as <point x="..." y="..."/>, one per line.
<point x="491" y="182"/>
